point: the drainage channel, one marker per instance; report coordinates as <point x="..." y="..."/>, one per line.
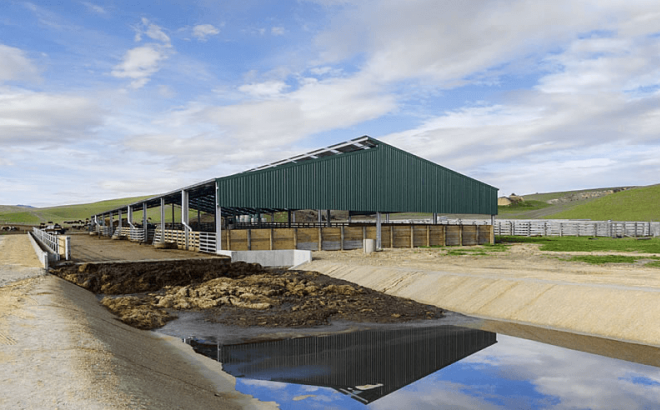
<point x="447" y="364"/>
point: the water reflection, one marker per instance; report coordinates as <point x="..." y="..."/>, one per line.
<point x="512" y="373"/>
<point x="364" y="365"/>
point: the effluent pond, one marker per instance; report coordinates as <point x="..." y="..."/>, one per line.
<point x="455" y="363"/>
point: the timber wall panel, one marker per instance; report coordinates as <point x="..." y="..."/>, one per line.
<point x="260" y="239"/>
<point x="386" y="236"/>
<point x="331" y="239"/>
<point x="437" y="235"/>
<point x="353" y="237"/>
<point x="282" y="239"/>
<point x="419" y="235"/>
<point x="452" y="235"/>
<point x="308" y="239"/>
<point x="484" y="234"/>
<point x="401" y="236"/>
<point x="469" y="235"/>
<point x="238" y="240"/>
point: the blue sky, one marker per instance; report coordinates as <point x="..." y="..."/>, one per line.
<point x="101" y="100"/>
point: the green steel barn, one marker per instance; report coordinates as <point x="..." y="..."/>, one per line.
<point x="363" y="176"/>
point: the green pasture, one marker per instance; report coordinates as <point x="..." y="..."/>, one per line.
<point x="586" y="244"/>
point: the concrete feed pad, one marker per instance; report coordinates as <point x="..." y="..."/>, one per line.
<point x="629" y="313"/>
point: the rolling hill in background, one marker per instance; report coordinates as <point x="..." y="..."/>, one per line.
<point x="59" y="214"/>
<point x="617" y="204"/>
<point x="622" y="204"/>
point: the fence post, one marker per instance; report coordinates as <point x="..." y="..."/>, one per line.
<point x="249" y="239"/>
<point x="295" y="238"/>
<point x="67" y="248"/>
<point x="341" y="238"/>
<point x="412" y="236"/>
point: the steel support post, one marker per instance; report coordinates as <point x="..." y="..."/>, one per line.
<point x="129" y="216"/>
<point x="218" y="222"/>
<point x="378" y="231"/>
<point x="120" y="224"/>
<point x="492" y="229"/>
<point x="145" y="227"/>
<point x="184" y="215"/>
<point x="387" y="217"/>
<point x="318" y="211"/>
<point x="162" y="220"/>
<point x="435" y="218"/>
<point x="288" y="218"/>
<point x="328" y="217"/>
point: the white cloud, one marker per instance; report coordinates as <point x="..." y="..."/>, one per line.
<point x="266" y="89"/>
<point x="30" y="117"/>
<point x="578" y="380"/>
<point x="202" y="31"/>
<point x="94" y="7"/>
<point x="277" y="31"/>
<point x="14" y="65"/>
<point x="140" y="63"/>
<point x="152" y="31"/>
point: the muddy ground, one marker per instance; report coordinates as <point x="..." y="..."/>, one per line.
<point x="148" y="294"/>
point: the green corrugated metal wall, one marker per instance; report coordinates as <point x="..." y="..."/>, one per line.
<point x="384" y="179"/>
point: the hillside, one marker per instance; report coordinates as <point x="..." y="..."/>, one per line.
<point x="637" y="204"/>
<point x="619" y="203"/>
<point x="59" y="214"/>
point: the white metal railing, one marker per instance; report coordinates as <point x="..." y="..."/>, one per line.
<point x="59" y="245"/>
<point x="136" y="234"/>
<point x="207" y="242"/>
<point x="197" y="241"/>
<point x="574" y="228"/>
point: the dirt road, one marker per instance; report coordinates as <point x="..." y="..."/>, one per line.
<point x="60" y="349"/>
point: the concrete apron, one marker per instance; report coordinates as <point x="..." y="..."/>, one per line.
<point x="625" y="313"/>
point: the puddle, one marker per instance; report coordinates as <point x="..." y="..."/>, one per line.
<point x="455" y="365"/>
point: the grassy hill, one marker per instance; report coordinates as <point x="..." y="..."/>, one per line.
<point x="634" y="204"/>
<point x="59" y="214"/>
<point x="637" y="204"/>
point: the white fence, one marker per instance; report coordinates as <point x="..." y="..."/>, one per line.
<point x="575" y="228"/>
<point x="197" y="241"/>
<point x="58" y="244"/>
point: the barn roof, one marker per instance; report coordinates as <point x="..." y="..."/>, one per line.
<point x="361" y="175"/>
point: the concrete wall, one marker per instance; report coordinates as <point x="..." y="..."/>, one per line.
<point x="627" y="313"/>
<point x="270" y="258"/>
<point x="41" y="254"/>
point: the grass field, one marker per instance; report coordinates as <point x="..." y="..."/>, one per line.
<point x="584" y="244"/>
<point x="637" y="204"/>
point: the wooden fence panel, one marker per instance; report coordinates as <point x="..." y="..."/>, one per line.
<point x="353" y="237"/>
<point x="238" y="239"/>
<point x="331" y="239"/>
<point x="283" y="238"/>
<point x="401" y="236"/>
<point x="437" y="235"/>
<point x="419" y="235"/>
<point x="452" y="235"/>
<point x="260" y="239"/>
<point x="484" y="234"/>
<point x="308" y="239"/>
<point x="470" y="235"/>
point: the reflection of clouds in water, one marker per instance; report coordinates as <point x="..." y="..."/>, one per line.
<point x="285" y="395"/>
<point x="579" y="380"/>
<point x="431" y="393"/>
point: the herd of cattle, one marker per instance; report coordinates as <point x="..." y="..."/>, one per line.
<point x="49" y="226"/>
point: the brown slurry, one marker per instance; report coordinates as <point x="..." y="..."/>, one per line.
<point x="238" y="294"/>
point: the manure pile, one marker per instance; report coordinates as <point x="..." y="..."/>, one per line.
<point x="148" y="294"/>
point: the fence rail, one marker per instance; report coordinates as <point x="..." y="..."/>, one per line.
<point x="59" y="245"/>
<point x="576" y="228"/>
